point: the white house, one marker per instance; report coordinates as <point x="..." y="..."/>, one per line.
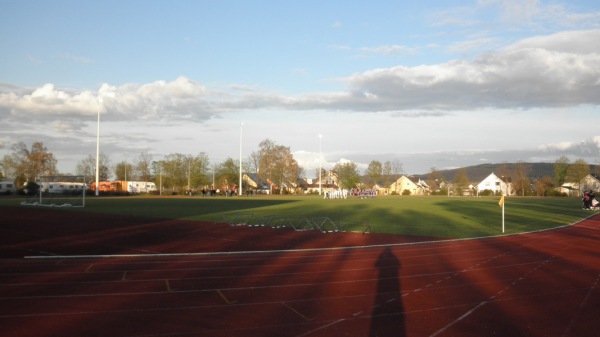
<point x="414" y="185"/>
<point x="494" y="184"/>
<point x="590" y="182"/>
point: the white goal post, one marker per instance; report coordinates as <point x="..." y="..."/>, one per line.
<point x="57" y="191"/>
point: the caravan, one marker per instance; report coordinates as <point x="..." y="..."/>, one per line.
<point x="7" y="187"/>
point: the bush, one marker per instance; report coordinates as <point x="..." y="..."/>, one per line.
<point x="406" y="192"/>
<point x="486" y="193"/>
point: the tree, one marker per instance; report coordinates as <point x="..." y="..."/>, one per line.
<point x="179" y="171"/>
<point x="387" y="173"/>
<point x="347" y="173"/>
<point x="227" y="173"/>
<point x="521" y="177"/>
<point x="461" y="180"/>
<point x="143" y="166"/>
<point x="277" y="164"/>
<point x="253" y="162"/>
<point x="434" y="178"/>
<point x="173" y="172"/>
<point x="30" y="163"/>
<point x="374" y="172"/>
<point x="87" y="167"/>
<point x="199" y="170"/>
<point x="543" y="186"/>
<point x="396" y="168"/>
<point x="577" y="171"/>
<point x="561" y="167"/>
<point x="124" y="171"/>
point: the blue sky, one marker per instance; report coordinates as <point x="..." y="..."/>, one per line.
<point x="428" y="84"/>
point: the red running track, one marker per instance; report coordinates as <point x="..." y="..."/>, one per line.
<point x="538" y="284"/>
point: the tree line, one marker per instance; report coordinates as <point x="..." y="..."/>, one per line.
<point x="272" y="163"/>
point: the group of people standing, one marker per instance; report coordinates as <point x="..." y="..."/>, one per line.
<point x="589" y="200"/>
<point x="341" y="193"/>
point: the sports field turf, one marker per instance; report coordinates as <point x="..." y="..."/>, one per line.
<point x="421" y="216"/>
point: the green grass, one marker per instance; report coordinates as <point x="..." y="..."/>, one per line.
<point x="422" y="216"/>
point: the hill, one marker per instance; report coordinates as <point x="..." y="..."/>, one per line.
<point x="478" y="172"/>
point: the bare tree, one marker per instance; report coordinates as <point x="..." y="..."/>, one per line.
<point x="461" y="180"/>
<point x="87" y="167"/>
<point x="434" y="178"/>
<point x="387" y="173"/>
<point x="143" y="166"/>
<point x="521" y="177"/>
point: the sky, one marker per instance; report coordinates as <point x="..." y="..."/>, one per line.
<point x="427" y="84"/>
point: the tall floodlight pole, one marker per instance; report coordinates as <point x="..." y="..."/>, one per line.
<point x="241" y="130"/>
<point x="320" y="155"/>
<point x="98" y="149"/>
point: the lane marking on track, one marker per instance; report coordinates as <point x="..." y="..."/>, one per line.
<point x="124" y="278"/>
<point x="297" y="312"/>
<point x="583" y="303"/>
<point x="169" y="289"/>
<point x="89" y="269"/>
<point x="322" y="327"/>
<point x="299" y="250"/>
<point x="500" y="292"/>
<point x="458" y="319"/>
<point x="227" y="301"/>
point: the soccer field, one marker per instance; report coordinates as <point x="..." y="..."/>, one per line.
<point x="422" y="216"/>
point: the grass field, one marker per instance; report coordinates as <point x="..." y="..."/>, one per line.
<point x="423" y="216"/>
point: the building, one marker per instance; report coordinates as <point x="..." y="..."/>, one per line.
<point x="590" y="182"/>
<point x="495" y="184"/>
<point x="414" y="185"/>
<point x="254" y="184"/>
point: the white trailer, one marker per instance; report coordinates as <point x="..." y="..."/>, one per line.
<point x="136" y="187"/>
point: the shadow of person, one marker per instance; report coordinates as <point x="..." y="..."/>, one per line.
<point x="387" y="317"/>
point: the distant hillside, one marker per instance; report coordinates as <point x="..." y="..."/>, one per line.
<point x="479" y="172"/>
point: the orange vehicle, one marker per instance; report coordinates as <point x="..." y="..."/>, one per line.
<point x="105" y="186"/>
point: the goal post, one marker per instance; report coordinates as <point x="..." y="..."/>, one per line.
<point x="58" y="191"/>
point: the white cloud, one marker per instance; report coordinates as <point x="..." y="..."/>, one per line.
<point x="551" y="74"/>
<point x="556" y="70"/>
<point x="389" y="50"/>
<point x="77" y="59"/>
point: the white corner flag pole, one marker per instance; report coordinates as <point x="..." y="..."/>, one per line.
<point x="502" y="217"/>
<point x="501" y="203"/>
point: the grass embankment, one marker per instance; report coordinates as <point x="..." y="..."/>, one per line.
<point x="422" y="216"/>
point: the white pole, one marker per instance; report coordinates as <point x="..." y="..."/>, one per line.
<point x="240" y="186"/>
<point x="320" y="155"/>
<point x="98" y="149"/>
<point x="502" y="217"/>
